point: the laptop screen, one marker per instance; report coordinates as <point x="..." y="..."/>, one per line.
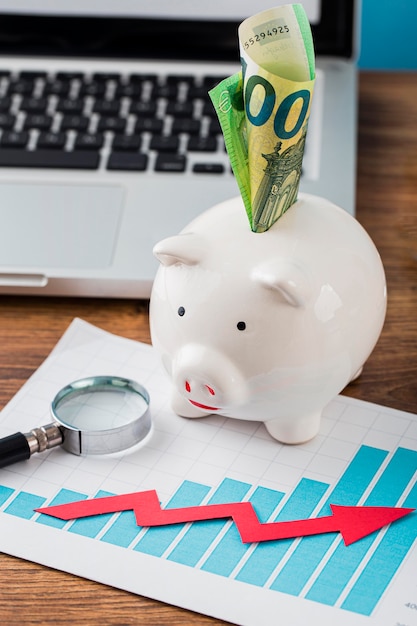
<point x="234" y="10"/>
<point x="184" y="29"/>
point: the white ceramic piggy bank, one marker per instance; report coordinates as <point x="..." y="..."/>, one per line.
<point x="267" y="326"/>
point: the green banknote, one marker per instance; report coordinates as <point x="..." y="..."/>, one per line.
<point x="264" y="109"/>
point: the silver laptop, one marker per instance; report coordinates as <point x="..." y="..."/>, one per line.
<point x="108" y="141"/>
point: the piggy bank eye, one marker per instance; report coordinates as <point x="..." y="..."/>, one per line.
<point x="181" y="311"/>
<point x="241" y="325"/>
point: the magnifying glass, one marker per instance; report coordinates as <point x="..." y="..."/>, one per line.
<point x="96" y="415"/>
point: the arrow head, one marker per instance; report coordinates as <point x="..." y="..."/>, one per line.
<point x="356" y="522"/>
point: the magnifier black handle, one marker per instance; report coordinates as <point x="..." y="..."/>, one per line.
<point x="13" y="449"/>
<point x="20" y="446"/>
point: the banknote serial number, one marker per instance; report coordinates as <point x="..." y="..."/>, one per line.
<point x="264" y="35"/>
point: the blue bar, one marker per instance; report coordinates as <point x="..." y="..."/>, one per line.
<point x="63" y="497"/>
<point x="91" y="526"/>
<point x="230" y="549"/>
<point x="264" y="559"/>
<point x="345" y="560"/>
<point x="5" y="493"/>
<point x="123" y="531"/>
<point x="157" y="539"/>
<point x="311" y="550"/>
<point x="24" y="505"/>
<point x="384" y="562"/>
<point x="200" y="535"/>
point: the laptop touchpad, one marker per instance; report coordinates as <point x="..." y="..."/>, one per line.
<point x="67" y="226"/>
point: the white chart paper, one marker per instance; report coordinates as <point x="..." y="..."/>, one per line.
<point x="364" y="455"/>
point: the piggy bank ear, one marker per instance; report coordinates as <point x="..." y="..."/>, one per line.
<point x="186" y="249"/>
<point x="286" y="278"/>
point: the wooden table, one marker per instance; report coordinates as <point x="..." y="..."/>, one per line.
<point x="29" y="328"/>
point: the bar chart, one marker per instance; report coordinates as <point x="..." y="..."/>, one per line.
<point x="364" y="455"/>
<point x="319" y="568"/>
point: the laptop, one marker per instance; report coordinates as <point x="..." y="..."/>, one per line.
<point x="108" y="142"/>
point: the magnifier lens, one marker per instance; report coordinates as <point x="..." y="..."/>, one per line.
<point x="101" y="409"/>
<point x="102" y="414"/>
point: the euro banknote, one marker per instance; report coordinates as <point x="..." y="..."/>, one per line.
<point x="264" y="110"/>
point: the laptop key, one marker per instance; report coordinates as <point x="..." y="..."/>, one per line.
<point x="183" y="125"/>
<point x="146" y="124"/>
<point x="74" y="122"/>
<point x="70" y="105"/>
<point x="211" y="81"/>
<point x="105" y="76"/>
<point x="126" y="142"/>
<point x="87" y="141"/>
<point x="97" y="90"/>
<point x="163" y="143"/>
<point x="128" y="91"/>
<point x="115" y="124"/>
<point x="166" y="162"/>
<point x="40" y="121"/>
<point x="22" y="87"/>
<point x="180" y="109"/>
<point x="197" y="92"/>
<point x="209" y="110"/>
<point x="49" y="159"/>
<point x="14" y="139"/>
<point x="69" y="75"/>
<point x="107" y="107"/>
<point x="54" y="141"/>
<point x="208" y="168"/>
<point x="127" y="161"/>
<point x="7" y="120"/>
<point x="143" y="109"/>
<point x="5" y="103"/>
<point x="34" y="105"/>
<point x="214" y="127"/>
<point x="57" y="88"/>
<point x="202" y="144"/>
<point x="141" y="78"/>
<point x="174" y="79"/>
<point x="170" y="92"/>
<point x="30" y="75"/>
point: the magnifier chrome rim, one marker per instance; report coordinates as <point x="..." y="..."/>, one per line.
<point x="106" y="440"/>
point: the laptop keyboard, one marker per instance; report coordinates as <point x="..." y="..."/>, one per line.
<point x="109" y="121"/>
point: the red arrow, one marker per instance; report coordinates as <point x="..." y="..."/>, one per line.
<point x="353" y="522"/>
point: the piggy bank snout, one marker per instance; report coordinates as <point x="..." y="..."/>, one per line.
<point x="208" y="378"/>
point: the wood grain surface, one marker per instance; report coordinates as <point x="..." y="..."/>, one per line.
<point x="30" y="327"/>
